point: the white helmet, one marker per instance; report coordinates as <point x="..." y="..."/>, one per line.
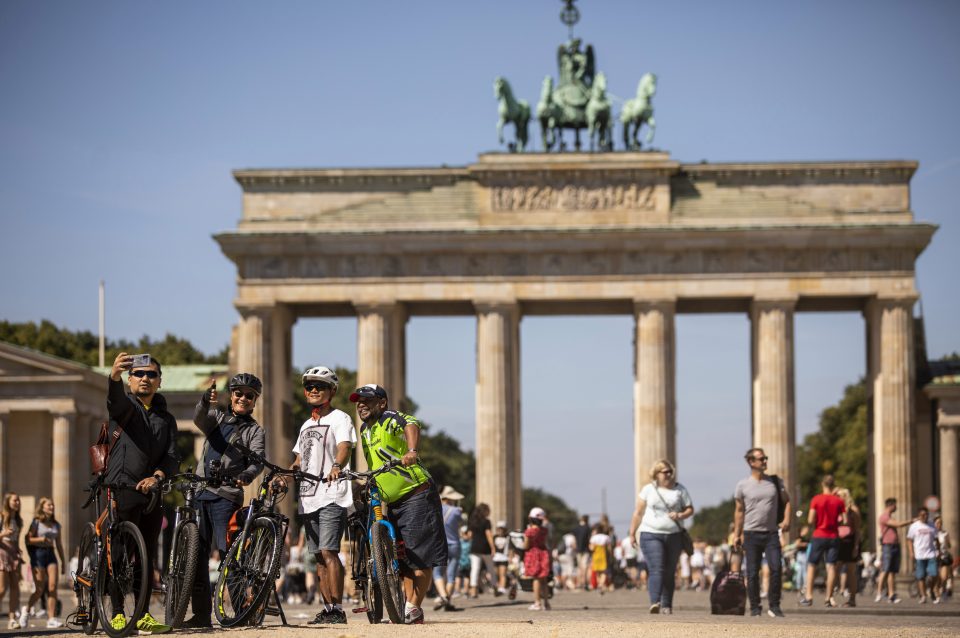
<point x="322" y="374"/>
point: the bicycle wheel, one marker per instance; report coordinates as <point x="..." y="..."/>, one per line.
<point x="388" y="578"/>
<point x="179" y="579"/>
<point x="247" y="573"/>
<point x="122" y="582"/>
<point x="85" y="576"/>
<point x="363" y="577"/>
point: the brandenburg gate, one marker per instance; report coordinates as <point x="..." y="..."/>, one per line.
<point x="588" y="233"/>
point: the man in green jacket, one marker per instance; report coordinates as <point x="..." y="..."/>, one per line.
<point x="408" y="490"/>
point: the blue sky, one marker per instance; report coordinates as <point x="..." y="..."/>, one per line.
<point x="121" y="121"/>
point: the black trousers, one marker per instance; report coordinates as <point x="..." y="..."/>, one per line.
<point x="755" y="545"/>
<point x="130" y="506"/>
<point x="212" y="523"/>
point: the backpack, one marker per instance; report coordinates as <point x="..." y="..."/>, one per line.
<point x="728" y="594"/>
<point x="781" y="504"/>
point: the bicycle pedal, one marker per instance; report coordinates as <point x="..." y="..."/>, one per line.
<point x="359" y="610"/>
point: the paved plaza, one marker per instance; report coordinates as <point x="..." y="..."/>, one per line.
<point x="621" y="613"/>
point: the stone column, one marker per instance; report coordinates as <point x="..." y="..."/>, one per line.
<point x="774" y="411"/>
<point x="498" y="410"/>
<point x="891" y="379"/>
<point x="63" y="495"/>
<point x="949" y="432"/>
<point x="654" y="387"/>
<point x="4" y="424"/>
<point x="381" y="348"/>
<point x="278" y="390"/>
<point x="381" y="354"/>
<point x="253" y="355"/>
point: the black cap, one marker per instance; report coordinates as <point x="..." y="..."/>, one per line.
<point x="368" y="392"/>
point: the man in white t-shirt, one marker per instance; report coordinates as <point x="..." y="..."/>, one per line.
<point x="323" y="448"/>
<point x="924" y="547"/>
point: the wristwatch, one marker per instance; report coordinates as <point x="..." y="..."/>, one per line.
<point x="337" y="465"/>
<point x="157" y="477"/>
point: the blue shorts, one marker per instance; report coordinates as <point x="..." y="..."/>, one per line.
<point x="890" y="558"/>
<point x="826" y="548"/>
<point x="925" y="568"/>
<point x="41" y="557"/>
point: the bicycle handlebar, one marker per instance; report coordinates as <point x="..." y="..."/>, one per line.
<point x="298" y="475"/>
<point x="99" y="484"/>
<point x="346" y="474"/>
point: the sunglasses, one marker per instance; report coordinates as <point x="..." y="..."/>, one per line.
<point x="667" y="472"/>
<point x="319" y="387"/>
<point x="249" y="394"/>
<point x="759" y="458"/>
<point x="150" y="374"/>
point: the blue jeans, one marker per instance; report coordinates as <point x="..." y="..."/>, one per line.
<point x="755" y="545"/>
<point x="214" y="517"/>
<point x="662" y="551"/>
<point x="453" y="563"/>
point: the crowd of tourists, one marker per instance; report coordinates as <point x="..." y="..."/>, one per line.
<point x="448" y="553"/>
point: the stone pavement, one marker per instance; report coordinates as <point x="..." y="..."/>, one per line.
<point x="622" y="613"/>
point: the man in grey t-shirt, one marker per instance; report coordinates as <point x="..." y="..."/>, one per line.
<point x="756" y="526"/>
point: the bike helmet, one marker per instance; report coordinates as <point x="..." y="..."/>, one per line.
<point x="323" y="375"/>
<point x="246" y="380"/>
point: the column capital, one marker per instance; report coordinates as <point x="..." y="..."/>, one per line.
<point x="663" y="304"/>
<point x="786" y="303"/>
<point x="883" y="302"/>
<point x="258" y="312"/>
<point x="496" y="305"/>
<point x="379" y="307"/>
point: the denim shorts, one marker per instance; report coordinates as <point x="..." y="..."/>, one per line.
<point x="890" y="558"/>
<point x="40" y="557"/>
<point x="925" y="568"/>
<point x="324" y="528"/>
<point x="419" y="524"/>
<point x="826" y="548"/>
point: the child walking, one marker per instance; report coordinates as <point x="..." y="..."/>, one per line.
<point x="536" y="558"/>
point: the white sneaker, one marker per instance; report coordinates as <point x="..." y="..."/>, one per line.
<point x="13" y="624"/>
<point x="40" y="613"/>
<point x="923" y="600"/>
<point x="54" y="622"/>
<point x="24" y="616"/>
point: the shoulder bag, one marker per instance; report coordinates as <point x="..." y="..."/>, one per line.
<point x="100" y="451"/>
<point x="686" y="543"/>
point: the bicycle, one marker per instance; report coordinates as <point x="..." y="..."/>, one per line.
<point x="112" y="577"/>
<point x="252" y="563"/>
<point x="185" y="543"/>
<point x="375" y="561"/>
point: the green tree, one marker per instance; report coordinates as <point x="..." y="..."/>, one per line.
<point x="83" y="346"/>
<point x="712" y="524"/>
<point x="839" y="447"/>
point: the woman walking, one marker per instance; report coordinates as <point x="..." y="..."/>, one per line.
<point x="481" y="547"/>
<point x="45" y="549"/>
<point x="849" y="554"/>
<point x="661" y="505"/>
<point x="10" y="525"/>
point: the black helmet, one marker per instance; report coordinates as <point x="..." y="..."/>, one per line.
<point x="246" y="380"/>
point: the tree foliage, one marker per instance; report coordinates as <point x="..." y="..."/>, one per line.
<point x="839" y="447"/>
<point x="83" y="346"/>
<point x="712" y="524"/>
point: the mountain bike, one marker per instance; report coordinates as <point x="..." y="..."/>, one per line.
<point x="112" y="581"/>
<point x="185" y="543"/>
<point x="374" y="550"/>
<point x="252" y="563"/>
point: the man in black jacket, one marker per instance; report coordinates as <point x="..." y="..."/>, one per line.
<point x="143" y="454"/>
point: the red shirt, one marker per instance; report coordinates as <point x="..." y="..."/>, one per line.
<point x="828" y="508"/>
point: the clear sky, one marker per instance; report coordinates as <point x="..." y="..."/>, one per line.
<point x="120" y="123"/>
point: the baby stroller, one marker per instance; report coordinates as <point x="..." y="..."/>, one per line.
<point x="515" y="573"/>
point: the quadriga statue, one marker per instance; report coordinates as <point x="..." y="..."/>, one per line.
<point x="513" y="111"/>
<point x="639" y="111"/>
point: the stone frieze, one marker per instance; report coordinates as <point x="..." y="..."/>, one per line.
<point x="580" y="264"/>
